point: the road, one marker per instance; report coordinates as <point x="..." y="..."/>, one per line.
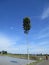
<point x="5" y="60"/>
<point x="46" y="62"/>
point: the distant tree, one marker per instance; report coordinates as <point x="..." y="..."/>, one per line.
<point x="0" y="52"/>
<point x="4" y="52"/>
<point x="26" y="27"/>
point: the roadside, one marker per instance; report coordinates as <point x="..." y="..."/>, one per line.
<point x="38" y="61"/>
<point x="46" y="62"/>
<point x="43" y="61"/>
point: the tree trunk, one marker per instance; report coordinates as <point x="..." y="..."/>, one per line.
<point x="27" y="48"/>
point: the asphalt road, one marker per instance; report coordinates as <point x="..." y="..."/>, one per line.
<point x="5" y="60"/>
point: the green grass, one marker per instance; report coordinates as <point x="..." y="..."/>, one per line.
<point x="34" y="63"/>
<point x="23" y="56"/>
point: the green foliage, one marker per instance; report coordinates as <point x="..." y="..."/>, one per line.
<point x="4" y="52"/>
<point x="26" y="25"/>
<point x="35" y="63"/>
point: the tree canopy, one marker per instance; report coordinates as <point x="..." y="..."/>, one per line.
<point x="26" y="25"/>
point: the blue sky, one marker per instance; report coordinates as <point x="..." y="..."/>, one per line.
<point x="12" y="37"/>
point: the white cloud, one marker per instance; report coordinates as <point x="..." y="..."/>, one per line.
<point x="41" y="43"/>
<point x="18" y="49"/>
<point x="43" y="36"/>
<point x="6" y="43"/>
<point x="11" y="46"/>
<point x="40" y="47"/>
<point x="45" y="13"/>
<point x="44" y="33"/>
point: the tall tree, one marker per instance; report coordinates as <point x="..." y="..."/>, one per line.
<point x="26" y="27"/>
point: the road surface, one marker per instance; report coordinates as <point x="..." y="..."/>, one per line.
<point x="5" y="60"/>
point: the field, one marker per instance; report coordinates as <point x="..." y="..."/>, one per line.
<point x="38" y="58"/>
<point x="24" y="56"/>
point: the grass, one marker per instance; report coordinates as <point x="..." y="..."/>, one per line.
<point x="24" y="56"/>
<point x="34" y="63"/>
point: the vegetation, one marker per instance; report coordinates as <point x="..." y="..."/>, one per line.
<point x="34" y="63"/>
<point x="3" y="52"/>
<point x="26" y="25"/>
<point x="25" y="56"/>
